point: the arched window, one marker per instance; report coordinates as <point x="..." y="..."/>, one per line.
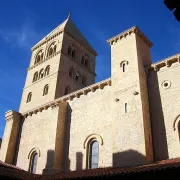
<point x="35" y="77"/>
<point x="85" y="60"/>
<point x="82" y="60"/>
<point x="84" y="80"/>
<point x="33" y="162"/>
<point x="125" y="108"/>
<point x="179" y="130"/>
<point x="39" y="57"/>
<point x="46" y="88"/>
<point x="77" y="76"/>
<point x="93" y="154"/>
<point x="69" y="50"/>
<point x="66" y="90"/>
<point x="29" y="97"/>
<point x="123" y="67"/>
<point x="41" y="73"/>
<point x="86" y="63"/>
<point x="71" y="72"/>
<point x="47" y="70"/>
<point x="73" y="53"/>
<point x="52" y="49"/>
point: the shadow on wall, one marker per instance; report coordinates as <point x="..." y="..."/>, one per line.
<point x="79" y="161"/>
<point x="50" y="159"/>
<point x="18" y="141"/>
<point x="67" y="140"/>
<point x="128" y="158"/>
<point x="157" y="118"/>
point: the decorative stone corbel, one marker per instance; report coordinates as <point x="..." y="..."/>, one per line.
<point x="101" y="86"/>
<point x="167" y="64"/>
<point x="156" y="68"/>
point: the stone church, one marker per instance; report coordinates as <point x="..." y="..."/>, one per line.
<point x="68" y="122"/>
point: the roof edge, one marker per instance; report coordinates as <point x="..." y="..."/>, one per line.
<point x="133" y="29"/>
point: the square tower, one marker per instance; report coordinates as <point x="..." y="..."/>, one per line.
<point x="130" y="54"/>
<point x="62" y="62"/>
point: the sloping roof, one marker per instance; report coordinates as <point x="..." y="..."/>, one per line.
<point x="161" y="166"/>
<point x="68" y="26"/>
<point x="8" y="171"/>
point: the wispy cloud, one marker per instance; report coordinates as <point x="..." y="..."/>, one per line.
<point x="23" y="37"/>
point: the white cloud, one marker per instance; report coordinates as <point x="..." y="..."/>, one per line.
<point x="24" y="37"/>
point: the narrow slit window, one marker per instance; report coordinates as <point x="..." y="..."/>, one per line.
<point x="123" y="67"/>
<point x="125" y="108"/>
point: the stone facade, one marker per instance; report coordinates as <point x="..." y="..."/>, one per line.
<point x="133" y="115"/>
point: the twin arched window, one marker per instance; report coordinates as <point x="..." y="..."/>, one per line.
<point x="52" y="49"/>
<point x="29" y="97"/>
<point x="93" y="155"/>
<point x="42" y="73"/>
<point x="39" y="56"/>
<point x="77" y="76"/>
<point x="33" y="162"/>
<point x="85" y="60"/>
<point x="45" y="91"/>
<point x="72" y="51"/>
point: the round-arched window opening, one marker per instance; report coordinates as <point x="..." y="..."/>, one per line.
<point x="166" y="84"/>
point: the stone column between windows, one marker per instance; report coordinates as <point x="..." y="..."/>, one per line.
<point x="9" y="142"/>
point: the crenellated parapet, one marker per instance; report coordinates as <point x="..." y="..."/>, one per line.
<point x="71" y="96"/>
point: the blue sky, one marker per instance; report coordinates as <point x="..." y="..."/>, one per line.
<point x="23" y="23"/>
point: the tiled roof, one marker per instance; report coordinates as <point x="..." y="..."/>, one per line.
<point x="12" y="172"/>
<point x="8" y="171"/>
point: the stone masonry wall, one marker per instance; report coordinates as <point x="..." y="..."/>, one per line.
<point x="164" y="105"/>
<point x="39" y="132"/>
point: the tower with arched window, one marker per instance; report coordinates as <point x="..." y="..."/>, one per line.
<point x="63" y="59"/>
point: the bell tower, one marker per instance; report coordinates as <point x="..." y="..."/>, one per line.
<point x="62" y="62"/>
<point x="130" y="54"/>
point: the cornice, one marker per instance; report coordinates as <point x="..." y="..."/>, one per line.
<point x="44" y="60"/>
<point x="71" y="96"/>
<point x="133" y="29"/>
<point x="167" y="62"/>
